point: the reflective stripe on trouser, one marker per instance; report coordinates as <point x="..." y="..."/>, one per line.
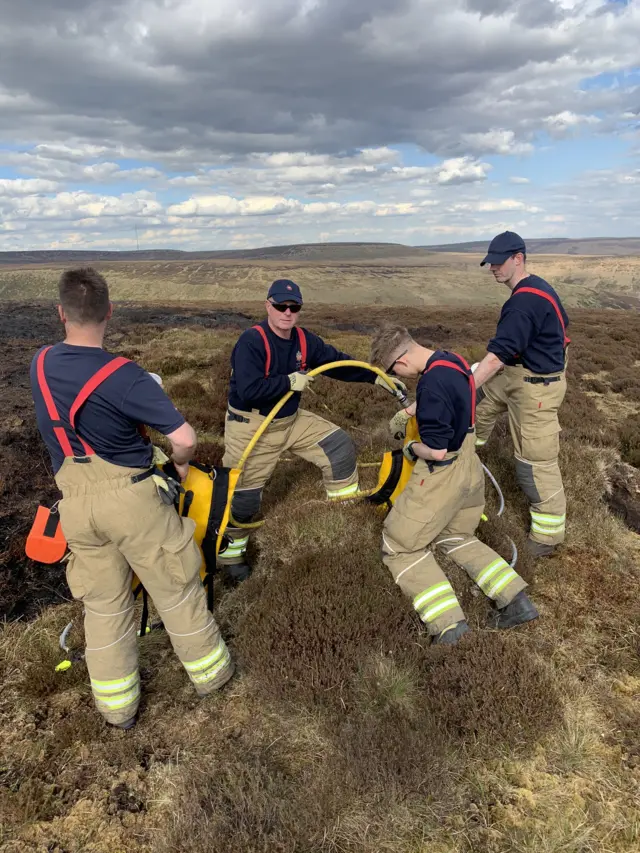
<point x="209" y="671"/>
<point x="442" y="509"/>
<point x="535" y="431"/>
<point x="120" y="695"/>
<point x="113" y="526"/>
<point x="304" y="434"/>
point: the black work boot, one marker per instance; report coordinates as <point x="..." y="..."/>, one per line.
<point x="520" y="610"/>
<point x="450" y="635"/>
<point x="540" y="549"/>
<point x="238" y="572"/>
<point x="128" y="724"/>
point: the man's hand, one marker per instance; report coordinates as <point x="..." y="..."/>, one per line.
<point x="487" y="369"/>
<point x="407" y="451"/>
<point x="400" y="386"/>
<point x="182" y="469"/>
<point x="299" y="381"/>
<point x="398" y="423"/>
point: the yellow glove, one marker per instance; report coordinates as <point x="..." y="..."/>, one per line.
<point x="400" y="386"/>
<point x="398" y="424"/>
<point x="299" y="381"/>
<point x="159" y="456"/>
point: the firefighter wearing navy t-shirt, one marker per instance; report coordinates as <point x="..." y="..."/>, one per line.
<point x="442" y="504"/>
<point x="89" y="405"/>
<point x="523" y="374"/>
<point x="269" y="360"/>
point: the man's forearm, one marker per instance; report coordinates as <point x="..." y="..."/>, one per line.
<point x="487" y="369"/>
<point x="423" y="451"/>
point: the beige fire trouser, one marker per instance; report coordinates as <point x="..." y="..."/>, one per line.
<point x="533" y="421"/>
<point x="306" y="435"/>
<point x="113" y="526"/>
<point x="442" y="508"/>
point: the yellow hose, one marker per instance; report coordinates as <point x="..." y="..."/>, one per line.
<point x="269" y="418"/>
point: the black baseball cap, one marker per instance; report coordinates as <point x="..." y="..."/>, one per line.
<point x="504" y="246"/>
<point x="285" y="290"/>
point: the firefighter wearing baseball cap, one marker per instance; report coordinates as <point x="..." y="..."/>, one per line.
<point x="269" y="360"/>
<point x="442" y="504"/>
<point x="523" y="374"/>
<point x="89" y="407"/>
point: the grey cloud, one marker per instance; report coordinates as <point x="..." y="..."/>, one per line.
<point x="342" y="75"/>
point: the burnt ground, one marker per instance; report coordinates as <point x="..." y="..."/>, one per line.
<point x="601" y="345"/>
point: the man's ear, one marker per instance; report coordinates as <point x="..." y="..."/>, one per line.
<point x="63" y="319"/>
<point x="109" y="312"/>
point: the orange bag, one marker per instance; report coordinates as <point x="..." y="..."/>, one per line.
<point x="46" y="542"/>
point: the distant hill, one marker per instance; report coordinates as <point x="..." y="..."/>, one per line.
<point x="609" y="246"/>
<point x="298" y="252"/>
<point x="322" y="253"/>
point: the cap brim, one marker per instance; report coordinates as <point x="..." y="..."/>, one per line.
<point x="289" y="297"/>
<point x="493" y="258"/>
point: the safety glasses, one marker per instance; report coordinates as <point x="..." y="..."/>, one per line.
<point x="283" y="308"/>
<point x="389" y="370"/>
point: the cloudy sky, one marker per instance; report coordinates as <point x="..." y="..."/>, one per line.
<point x="207" y="124"/>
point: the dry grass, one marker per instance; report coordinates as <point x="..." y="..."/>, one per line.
<point x="344" y="732"/>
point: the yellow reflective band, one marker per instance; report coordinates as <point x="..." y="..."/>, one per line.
<point x="490" y="571"/>
<point x="420" y="600"/>
<point x="441" y="607"/>
<point x="547" y="528"/>
<point x="122" y="701"/>
<point x="203" y="663"/>
<point x="548" y="519"/>
<point x="341" y="493"/>
<point x="480" y="442"/>
<point x="214" y="672"/>
<point x="504" y="580"/>
<point x="117" y="685"/>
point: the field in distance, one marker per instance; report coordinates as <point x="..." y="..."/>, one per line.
<point x="417" y="279"/>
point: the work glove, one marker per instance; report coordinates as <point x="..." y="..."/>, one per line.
<point x="299" y="381"/>
<point x="168" y="489"/>
<point x="407" y="451"/>
<point x="400" y="386"/>
<point x="398" y="424"/>
<point x="159" y="456"/>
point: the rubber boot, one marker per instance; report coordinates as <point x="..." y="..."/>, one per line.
<point x="540" y="549"/>
<point x="238" y="572"/>
<point x="517" y="612"/>
<point x="451" y="634"/>
<point x="128" y="724"/>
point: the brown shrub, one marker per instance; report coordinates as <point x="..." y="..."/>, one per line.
<point x="629" y="432"/>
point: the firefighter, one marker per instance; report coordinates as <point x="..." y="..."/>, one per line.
<point x="442" y="504"/>
<point x="523" y="374"/>
<point x="89" y="404"/>
<point x="269" y="360"/>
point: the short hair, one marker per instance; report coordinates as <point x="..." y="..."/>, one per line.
<point x="386" y="342"/>
<point x="84" y="296"/>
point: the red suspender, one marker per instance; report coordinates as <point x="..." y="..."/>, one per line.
<point x="85" y="392"/>
<point x="466" y="372"/>
<point x="550" y="299"/>
<point x="263" y="334"/>
<point x="302" y="343"/>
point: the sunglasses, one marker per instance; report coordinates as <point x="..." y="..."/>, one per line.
<point x="283" y="308"/>
<point x="389" y="370"/>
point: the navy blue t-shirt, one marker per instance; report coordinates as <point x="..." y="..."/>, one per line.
<point x="108" y="421"/>
<point x="249" y="389"/>
<point x="443" y="404"/>
<point x="529" y="331"/>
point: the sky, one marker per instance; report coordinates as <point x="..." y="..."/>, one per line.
<point x="229" y="124"/>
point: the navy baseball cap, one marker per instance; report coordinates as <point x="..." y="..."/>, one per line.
<point x="285" y="290"/>
<point x="504" y="246"/>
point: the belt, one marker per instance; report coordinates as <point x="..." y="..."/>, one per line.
<point x="540" y="380"/>
<point x="441" y="464"/>
<point x="138" y="478"/>
<point x="231" y="416"/>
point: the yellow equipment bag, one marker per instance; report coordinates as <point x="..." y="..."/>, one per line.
<point x="207" y="500"/>
<point x="394" y="471"/>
